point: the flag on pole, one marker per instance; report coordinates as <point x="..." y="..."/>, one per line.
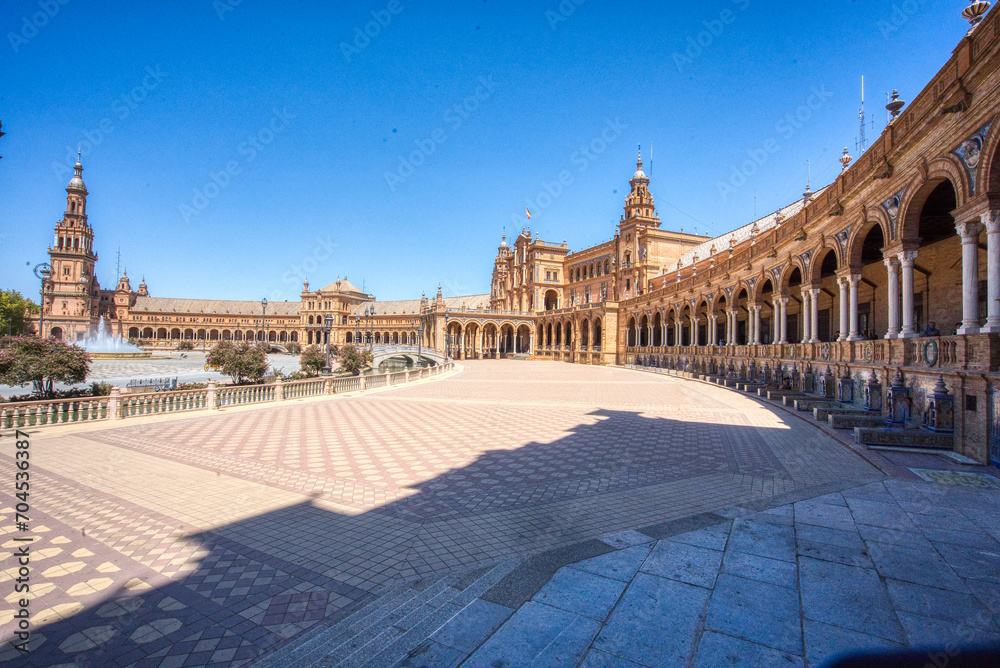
<point x="528" y="211"/>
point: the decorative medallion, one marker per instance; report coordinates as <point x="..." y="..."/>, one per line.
<point x="868" y="351"/>
<point x="824" y="352"/>
<point x="729" y="293"/>
<point x="891" y="207"/>
<point x="969" y="152"/>
<point x="930" y="352"/>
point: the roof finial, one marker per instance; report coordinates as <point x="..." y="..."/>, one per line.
<point x="639" y="161"/>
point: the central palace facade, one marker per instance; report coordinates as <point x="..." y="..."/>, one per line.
<point x="887" y="277"/>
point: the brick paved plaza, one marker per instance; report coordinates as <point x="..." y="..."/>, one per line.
<point x="213" y="540"/>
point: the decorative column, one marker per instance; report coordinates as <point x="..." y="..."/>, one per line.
<point x="678" y="333"/>
<point x="694" y="330"/>
<point x="783" y="320"/>
<point x="906" y="260"/>
<point x="806" y="318"/>
<point x="992" y="222"/>
<point x="855" y="281"/>
<point x="776" y="316"/>
<point x="814" y="303"/>
<point x="713" y="329"/>
<point x="756" y="324"/>
<point x="893" y="271"/>
<point x="970" y="276"/>
<point x="845" y="307"/>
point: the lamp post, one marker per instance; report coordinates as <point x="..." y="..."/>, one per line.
<point x="357" y="327"/>
<point x="370" y="311"/>
<point x="263" y="305"/>
<point x="420" y="339"/>
<point x="327" y="326"/>
<point x="43" y="271"/>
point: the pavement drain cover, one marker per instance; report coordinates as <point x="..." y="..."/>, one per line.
<point x="980" y="480"/>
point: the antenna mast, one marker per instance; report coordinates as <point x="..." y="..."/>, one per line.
<point x="863" y="142"/>
<point x="118" y="269"/>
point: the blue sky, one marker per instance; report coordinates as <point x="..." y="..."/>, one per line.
<point x="231" y="146"/>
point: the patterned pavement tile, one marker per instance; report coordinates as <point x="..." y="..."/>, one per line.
<point x="217" y="538"/>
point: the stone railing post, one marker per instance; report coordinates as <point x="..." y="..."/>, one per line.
<point x="279" y="390"/>
<point x="210" y="397"/>
<point x="361" y="383"/>
<point x="114" y="404"/>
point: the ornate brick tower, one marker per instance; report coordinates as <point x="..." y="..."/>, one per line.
<point x="639" y="207"/>
<point x="71" y="297"/>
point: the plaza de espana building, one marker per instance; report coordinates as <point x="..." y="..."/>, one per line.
<point x="837" y="291"/>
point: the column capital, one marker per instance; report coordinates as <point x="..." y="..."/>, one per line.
<point x="907" y="258"/>
<point x="891" y="263"/>
<point x="969" y="230"/>
<point x="991" y="221"/>
<point x="854" y="280"/>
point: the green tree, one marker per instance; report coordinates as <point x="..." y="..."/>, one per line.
<point x="244" y="363"/>
<point x="312" y="361"/>
<point x="12" y="310"/>
<point x="42" y="362"/>
<point x="353" y="360"/>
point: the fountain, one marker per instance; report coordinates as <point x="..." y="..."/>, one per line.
<point x="102" y="345"/>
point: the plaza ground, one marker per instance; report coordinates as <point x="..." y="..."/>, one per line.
<point x="509" y="512"/>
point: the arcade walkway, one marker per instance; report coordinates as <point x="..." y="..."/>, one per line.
<point x="216" y="539"/>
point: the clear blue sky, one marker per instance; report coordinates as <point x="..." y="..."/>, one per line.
<point x="162" y="96"/>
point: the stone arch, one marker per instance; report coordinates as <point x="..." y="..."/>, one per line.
<point x="874" y="216"/>
<point x="784" y="281"/>
<point x="631" y="331"/>
<point x="56" y="333"/>
<point x="820" y="254"/>
<point x="989" y="170"/>
<point x="941" y="170"/>
<point x="133" y="332"/>
<point x="585" y="332"/>
<point x="598" y="333"/>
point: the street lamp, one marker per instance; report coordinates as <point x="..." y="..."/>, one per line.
<point x="327" y="326"/>
<point x="263" y="305"/>
<point x="420" y="339"/>
<point x="43" y="271"/>
<point x="370" y="311"/>
<point x="357" y="327"/>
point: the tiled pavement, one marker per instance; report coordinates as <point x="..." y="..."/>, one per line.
<point x="889" y="566"/>
<point x="212" y="540"/>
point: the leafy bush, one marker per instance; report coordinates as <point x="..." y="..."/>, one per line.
<point x="186" y="345"/>
<point x="294" y="348"/>
<point x="42" y="362"/>
<point x="312" y="361"/>
<point x="101" y="389"/>
<point x="192" y="386"/>
<point x="244" y="362"/>
<point x="353" y="360"/>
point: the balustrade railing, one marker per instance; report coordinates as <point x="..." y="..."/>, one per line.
<point x="43" y="413"/>
<point x="120" y="406"/>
